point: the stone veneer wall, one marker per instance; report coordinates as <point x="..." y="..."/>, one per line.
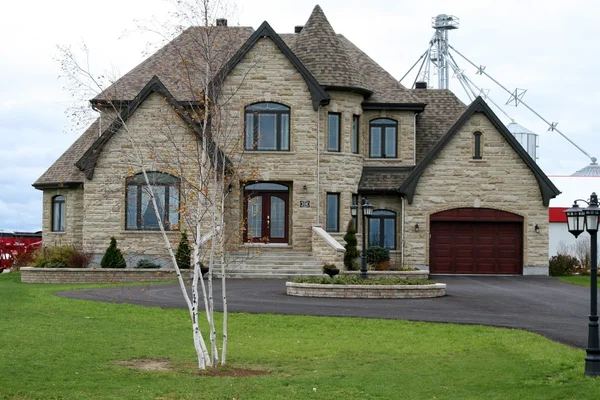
<point x="103" y="275"/>
<point x="74" y="212"/>
<point x="160" y="136"/>
<point x="500" y="181"/>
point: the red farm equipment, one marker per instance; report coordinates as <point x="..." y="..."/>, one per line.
<point x="12" y="244"/>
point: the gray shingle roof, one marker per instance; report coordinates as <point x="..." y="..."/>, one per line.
<point x="64" y="172"/>
<point x="442" y="110"/>
<point x="383" y="179"/>
<point x="325" y="56"/>
<point x="592" y="169"/>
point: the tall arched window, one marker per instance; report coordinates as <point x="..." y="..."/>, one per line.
<point x="58" y="213"/>
<point x="140" y="213"/>
<point x="382" y="229"/>
<point x="383" y="138"/>
<point x="477" y="146"/>
<point x="267" y="127"/>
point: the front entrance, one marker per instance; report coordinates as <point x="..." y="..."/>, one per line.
<point x="266" y="213"/>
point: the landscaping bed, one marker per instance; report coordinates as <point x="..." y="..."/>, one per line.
<point x="353" y="287"/>
<point x="95" y="275"/>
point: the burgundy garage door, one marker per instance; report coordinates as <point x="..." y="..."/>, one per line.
<point x="476" y="241"/>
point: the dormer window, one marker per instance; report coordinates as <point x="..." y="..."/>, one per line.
<point x="383" y="138"/>
<point x="267" y="127"/>
<point x="477" y="148"/>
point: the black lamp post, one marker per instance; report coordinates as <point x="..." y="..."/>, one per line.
<point x="579" y="219"/>
<point x="367" y="211"/>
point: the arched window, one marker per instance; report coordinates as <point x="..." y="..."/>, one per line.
<point x="383" y="138"/>
<point x="477" y="146"/>
<point x="267" y="127"/>
<point x="382" y="229"/>
<point x="58" y="213"/>
<point x="140" y="213"/>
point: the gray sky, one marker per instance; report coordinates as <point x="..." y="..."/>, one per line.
<point x="548" y="47"/>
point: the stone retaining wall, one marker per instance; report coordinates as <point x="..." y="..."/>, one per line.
<point x="88" y="275"/>
<point x="366" y="291"/>
<point x="393" y="274"/>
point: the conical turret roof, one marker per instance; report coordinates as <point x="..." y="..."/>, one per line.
<point x="592" y="169"/>
<point x="323" y="53"/>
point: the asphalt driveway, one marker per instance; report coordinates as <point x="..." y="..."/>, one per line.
<point x="544" y="305"/>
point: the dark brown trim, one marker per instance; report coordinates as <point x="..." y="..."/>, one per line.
<point x="57" y="185"/>
<point x="547" y="188"/>
<point x="417" y="107"/>
<point x="318" y="94"/>
<point x="87" y="162"/>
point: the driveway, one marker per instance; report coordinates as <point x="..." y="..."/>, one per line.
<point x="544" y="305"/>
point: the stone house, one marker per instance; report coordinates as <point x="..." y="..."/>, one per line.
<point x="322" y="126"/>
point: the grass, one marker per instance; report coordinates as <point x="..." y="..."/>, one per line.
<point x="580" y="280"/>
<point x="57" y="348"/>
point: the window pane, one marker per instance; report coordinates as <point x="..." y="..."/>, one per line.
<point x="333" y="139"/>
<point x="355" y="134"/>
<point x="375" y="142"/>
<point x="249" y="131"/>
<point x="61" y="213"/>
<point x="390" y="142"/>
<point x="383" y="121"/>
<point x="277" y="217"/>
<point x="266" y="186"/>
<point x="389" y="233"/>
<point x="148" y="216"/>
<point x="332" y="212"/>
<point x="131" y="207"/>
<point x="266" y="131"/>
<point x="285" y="132"/>
<point x="173" y="206"/>
<point x="255" y="217"/>
<point x="374" y="231"/>
<point x="267" y="107"/>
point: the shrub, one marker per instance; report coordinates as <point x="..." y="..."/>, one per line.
<point x="351" y="248"/>
<point x="113" y="258"/>
<point x="79" y="259"/>
<point x="563" y="264"/>
<point x="377" y="254"/>
<point x="146" y="264"/>
<point x="183" y="255"/>
<point x="53" y="257"/>
<point x="356" y="280"/>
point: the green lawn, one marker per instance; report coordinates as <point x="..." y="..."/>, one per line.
<point x="69" y="349"/>
<point x="576" y="280"/>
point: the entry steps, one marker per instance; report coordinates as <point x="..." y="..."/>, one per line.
<point x="270" y="263"/>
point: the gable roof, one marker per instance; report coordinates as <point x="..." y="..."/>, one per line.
<point x="547" y="188"/>
<point x="63" y="173"/>
<point x="318" y="94"/>
<point x="87" y="162"/>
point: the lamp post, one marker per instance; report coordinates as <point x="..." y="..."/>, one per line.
<point x="367" y="211"/>
<point x="579" y="219"/>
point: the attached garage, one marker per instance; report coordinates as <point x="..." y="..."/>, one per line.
<point x="476" y="241"/>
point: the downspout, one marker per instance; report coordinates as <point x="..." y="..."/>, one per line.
<point x="402" y="232"/>
<point x="319" y="165"/>
<point x="414" y="142"/>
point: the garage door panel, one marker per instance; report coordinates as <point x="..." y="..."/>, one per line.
<point x="476" y="247"/>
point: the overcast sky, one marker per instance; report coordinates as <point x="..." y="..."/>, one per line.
<point x="548" y="47"/>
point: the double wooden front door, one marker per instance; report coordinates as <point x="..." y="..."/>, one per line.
<point x="266" y="214"/>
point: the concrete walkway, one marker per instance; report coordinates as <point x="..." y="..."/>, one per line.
<point x="544" y="305"/>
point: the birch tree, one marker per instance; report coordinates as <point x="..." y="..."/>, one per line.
<point x="212" y="156"/>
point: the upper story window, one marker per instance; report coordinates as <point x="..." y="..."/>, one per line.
<point x="140" y="210"/>
<point x="382" y="229"/>
<point x="58" y="214"/>
<point x="355" y="136"/>
<point x="477" y="146"/>
<point x="333" y="132"/>
<point x="383" y="140"/>
<point x="267" y="127"/>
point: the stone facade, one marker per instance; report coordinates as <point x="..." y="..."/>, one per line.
<point x="74" y="215"/>
<point x="500" y="180"/>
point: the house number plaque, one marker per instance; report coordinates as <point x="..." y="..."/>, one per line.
<point x="304" y="203"/>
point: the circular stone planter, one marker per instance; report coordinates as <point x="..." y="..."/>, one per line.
<point x="393" y="274"/>
<point x="366" y="291"/>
